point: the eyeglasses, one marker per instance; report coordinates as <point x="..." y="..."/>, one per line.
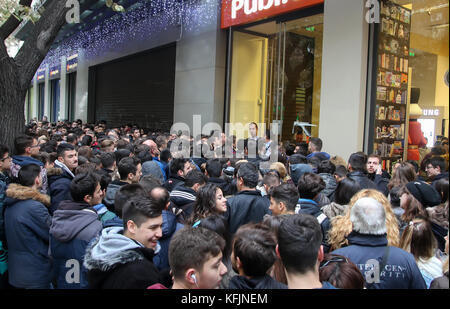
<point x="335" y="259"/>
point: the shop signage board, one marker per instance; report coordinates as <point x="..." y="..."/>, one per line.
<point x="239" y="12"/>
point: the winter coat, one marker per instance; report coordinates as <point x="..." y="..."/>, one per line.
<point x="297" y="170"/>
<point x="169" y="227"/>
<point x="439" y="233"/>
<point x="310" y="207"/>
<point x="183" y="198"/>
<point x="74" y="225"/>
<point x="400" y="270"/>
<point x="111" y="191"/>
<point x="172" y="182"/>
<point x="255" y="283"/>
<point x="224" y="185"/>
<point x="245" y="207"/>
<point x="440" y="283"/>
<point x="334" y="209"/>
<point x="103" y="213"/>
<point x="330" y="183"/>
<point x="438" y="177"/>
<point x="27" y="224"/>
<point x="59" y="188"/>
<point x="381" y="182"/>
<point x="362" y="179"/>
<point x="322" y="200"/>
<point x="19" y="161"/>
<point x="324" y="154"/>
<point x="115" y="261"/>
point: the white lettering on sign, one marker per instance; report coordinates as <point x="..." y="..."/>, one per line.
<point x="430" y="112"/>
<point x="252" y="6"/>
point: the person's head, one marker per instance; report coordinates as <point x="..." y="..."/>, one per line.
<point x="142" y="219"/>
<point x="195" y="258"/>
<point x="136" y="133"/>
<point x="108" y="160"/>
<point x="368" y="217"/>
<point x="345" y="190"/>
<point x="415" y="197"/>
<point x="373" y="162"/>
<point x="29" y="176"/>
<point x="280" y="168"/>
<point x="326" y="167"/>
<point x="130" y="170"/>
<point x="160" y="196"/>
<point x="154" y="150"/>
<point x="5" y="158"/>
<point x="340" y="173"/>
<point x="271" y="180"/>
<point x="340" y="272"/>
<point x="86" y="188"/>
<point x="72" y="139"/>
<point x="299" y="244"/>
<point x="441" y="187"/>
<point x="107" y="145"/>
<point x="357" y="162"/>
<point x="283" y="199"/>
<point x="435" y="166"/>
<point x="403" y="174"/>
<point x="310" y="185"/>
<point x="297" y="159"/>
<point x="418" y="239"/>
<point x="195" y="180"/>
<point x="180" y="167"/>
<point x="214" y="168"/>
<point x="247" y="176"/>
<point x="68" y="156"/>
<point x="253" y="129"/>
<point x="209" y="200"/>
<point x="315" y="144"/>
<point x="26" y="145"/>
<point x="165" y="155"/>
<point x="125" y="193"/>
<point x="253" y="250"/>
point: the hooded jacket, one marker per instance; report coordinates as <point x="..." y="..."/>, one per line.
<point x="172" y="182"/>
<point x="400" y="271"/>
<point x="183" y="198"/>
<point x="59" y="186"/>
<point x="73" y="226"/>
<point x="115" y="261"/>
<point x="255" y="283"/>
<point x="330" y="183"/>
<point x="169" y="227"/>
<point x="111" y="191"/>
<point x="19" y="161"/>
<point x="27" y="224"/>
<point x="245" y="207"/>
<point x="297" y="170"/>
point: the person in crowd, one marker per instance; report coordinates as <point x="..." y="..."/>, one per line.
<point x="394" y="199"/>
<point x="214" y="173"/>
<point x="27" y="224"/>
<point x="315" y="149"/>
<point x="298" y="166"/>
<point x="442" y="282"/>
<point x="179" y="168"/>
<point x="309" y="187"/>
<point x="252" y="256"/>
<point x="247" y="205"/>
<point x="357" y="171"/>
<point x="130" y="171"/>
<point x="74" y="224"/>
<point x="345" y="190"/>
<point x="383" y="266"/>
<point x="183" y="196"/>
<point x="155" y="154"/>
<point x="341" y="226"/>
<point x="376" y="174"/>
<point x="123" y="195"/>
<point x="270" y="180"/>
<point x="281" y="168"/>
<point x="326" y="170"/>
<point x="5" y="166"/>
<point x="25" y="146"/>
<point x="107" y="146"/>
<point x="403" y="174"/>
<point x="440" y="214"/>
<point x="283" y="199"/>
<point x="436" y="169"/>
<point x="108" y="160"/>
<point x="253" y="130"/>
<point x="122" y="257"/>
<point x="209" y="201"/>
<point x="340" y="272"/>
<point x="59" y="185"/>
<point x="299" y="247"/>
<point x="195" y="258"/>
<point x="418" y="239"/>
<point x="103" y="213"/>
<point x="340" y="173"/>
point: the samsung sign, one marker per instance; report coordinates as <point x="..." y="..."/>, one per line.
<point x="239" y="12"/>
<point x="430" y="112"/>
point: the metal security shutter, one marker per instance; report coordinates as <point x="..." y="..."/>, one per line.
<point x="138" y="89"/>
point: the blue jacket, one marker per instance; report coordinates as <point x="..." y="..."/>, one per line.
<point x="400" y="271"/>
<point x="324" y="154"/>
<point x="27" y="224"/>
<point x="297" y="170"/>
<point x="162" y="166"/>
<point x="73" y="226"/>
<point x="59" y="189"/>
<point x="310" y="207"/>
<point x="169" y="227"/>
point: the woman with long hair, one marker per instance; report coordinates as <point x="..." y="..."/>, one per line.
<point x="403" y="174"/>
<point x="345" y="190"/>
<point x="341" y="226"/>
<point x="209" y="201"/>
<point x="418" y="239"/>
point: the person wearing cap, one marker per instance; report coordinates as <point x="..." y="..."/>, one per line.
<point x="415" y="197"/>
<point x="382" y="266"/>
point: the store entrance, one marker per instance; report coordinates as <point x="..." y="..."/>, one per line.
<point x="276" y="76"/>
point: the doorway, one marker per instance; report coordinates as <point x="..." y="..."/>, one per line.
<point x="428" y="129"/>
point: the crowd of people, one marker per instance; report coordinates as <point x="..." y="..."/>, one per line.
<point x="84" y="206"/>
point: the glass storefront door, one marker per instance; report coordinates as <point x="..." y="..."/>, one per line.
<point x="275" y="75"/>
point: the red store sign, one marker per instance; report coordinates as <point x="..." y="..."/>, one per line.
<point x="238" y="12"/>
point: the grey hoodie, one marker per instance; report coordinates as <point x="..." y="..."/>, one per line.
<point x="68" y="224"/>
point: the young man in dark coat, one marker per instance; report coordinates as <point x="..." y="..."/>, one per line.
<point x="27" y="224"/>
<point x="121" y="257"/>
<point x="357" y="171"/>
<point x="214" y="173"/>
<point x="178" y="168"/>
<point x="377" y="174"/>
<point x="60" y="184"/>
<point x="74" y="224"/>
<point x="383" y="266"/>
<point x="248" y="205"/>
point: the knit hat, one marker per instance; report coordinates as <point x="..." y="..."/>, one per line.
<point x="152" y="168"/>
<point x="424" y="193"/>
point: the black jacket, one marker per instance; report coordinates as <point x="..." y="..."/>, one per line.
<point x="172" y="182"/>
<point x="438" y="177"/>
<point x="245" y="207"/>
<point x="311" y="207"/>
<point x="255" y="283"/>
<point x="226" y="186"/>
<point x="59" y="189"/>
<point x="381" y="182"/>
<point x="362" y="179"/>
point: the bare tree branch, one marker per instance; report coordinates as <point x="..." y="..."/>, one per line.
<point x="12" y="23"/>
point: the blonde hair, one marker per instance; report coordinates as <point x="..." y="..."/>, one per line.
<point x="337" y="160"/>
<point x="280" y="168"/>
<point x="341" y="226"/>
<point x="418" y="239"/>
